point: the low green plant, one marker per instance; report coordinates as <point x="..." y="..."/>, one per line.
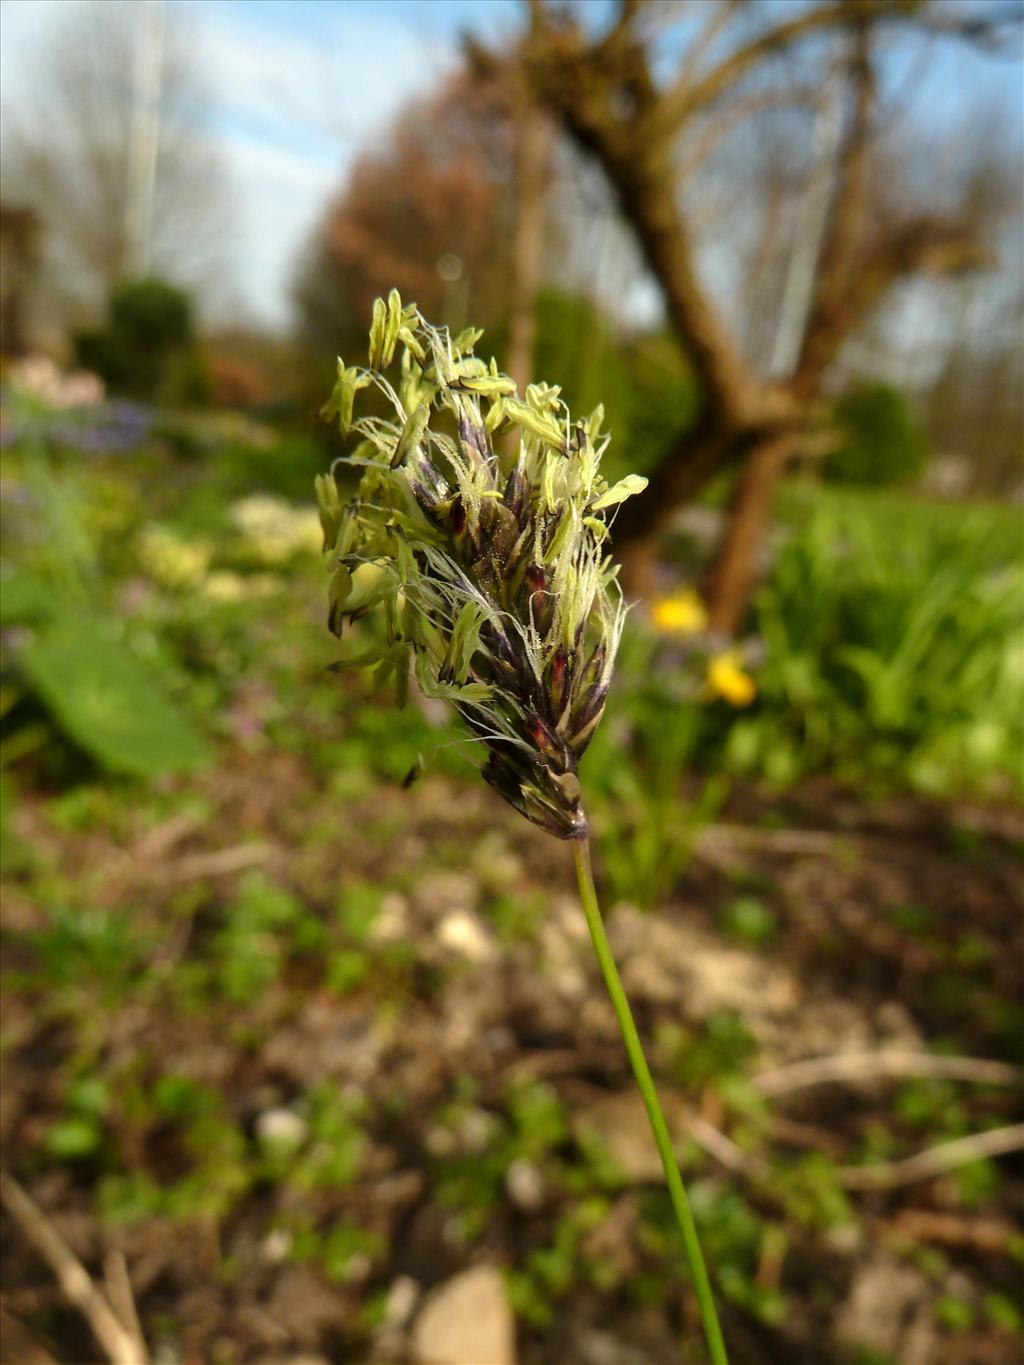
<point x="548" y="1273"/>
<point x="82" y="949"/>
<point x="79" y="1132"/>
<point x="147" y="349"/>
<point x="749" y="920"/>
<point x="893" y="643"/>
<point x="470" y="1179"/>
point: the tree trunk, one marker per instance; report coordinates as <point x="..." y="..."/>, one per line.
<point x="734" y="570"/>
<point x="696" y="458"/>
<point x="532" y="154"/>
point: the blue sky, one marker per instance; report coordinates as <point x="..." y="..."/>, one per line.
<point x="301" y="87"/>
<point x="298" y="87"/>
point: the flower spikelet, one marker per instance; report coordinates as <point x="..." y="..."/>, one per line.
<point x="491" y="574"/>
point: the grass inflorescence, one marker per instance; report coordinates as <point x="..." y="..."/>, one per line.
<point x="492" y="575"/>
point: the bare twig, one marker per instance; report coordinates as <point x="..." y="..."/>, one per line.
<point x="927" y="1225"/>
<point x="120" y="1346"/>
<point x="221" y="862"/>
<point x="776" y="840"/>
<point x="686" y="95"/>
<point x="119" y="1291"/>
<point x="697" y="149"/>
<point x="883" y="1175"/>
<point x="868" y="1066"/>
<point x="934" y="1160"/>
<point x="158" y="841"/>
<point x="724" y="1150"/>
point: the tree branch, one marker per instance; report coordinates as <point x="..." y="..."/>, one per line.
<point x="869" y="1066"/>
<point x="697" y="149"/>
<point x="603" y="98"/>
<point x="947" y="1156"/>
<point x="690" y="92"/>
<point x="846" y="221"/>
<point x="924" y="246"/>
<point x="120" y="1345"/>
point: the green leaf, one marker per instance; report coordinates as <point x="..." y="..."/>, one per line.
<point x="466" y="340"/>
<point x="109" y="702"/>
<point x="72" y="1138"/>
<point x="25" y="599"/>
<point x="393" y="325"/>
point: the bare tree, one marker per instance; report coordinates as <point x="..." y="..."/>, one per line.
<point x="106" y="147"/>
<point x="653" y="135"/>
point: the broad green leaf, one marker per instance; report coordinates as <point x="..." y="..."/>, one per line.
<point x="24" y="599"/>
<point x="109" y="702"/>
<point x="490" y="386"/>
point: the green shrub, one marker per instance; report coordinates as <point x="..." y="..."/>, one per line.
<point x="147" y="349"/>
<point x="882" y="443"/>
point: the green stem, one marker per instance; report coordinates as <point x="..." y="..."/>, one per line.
<point x="635" y="1051"/>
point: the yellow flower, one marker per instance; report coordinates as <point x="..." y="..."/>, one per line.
<point x="225" y="586"/>
<point x="681" y="614"/>
<point x="172" y="562"/>
<point x="727" y="679"/>
<point x="275" y="530"/>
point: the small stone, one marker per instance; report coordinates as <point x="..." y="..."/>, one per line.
<point x="845" y="1237"/>
<point x="440" y="1141"/>
<point x="668" y="960"/>
<point x="402" y="1299"/>
<point x="476" y="1130"/>
<point x="358" y="1268"/>
<point x="276" y="1245"/>
<point x="392" y="923"/>
<point x="466" y="1321"/>
<point x="884" y="1302"/>
<point x="440" y="893"/>
<point x="463" y="934"/>
<point x="525" y="1184"/>
<point x="281" y="1128"/>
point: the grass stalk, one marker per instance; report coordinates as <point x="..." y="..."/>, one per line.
<point x="645" y="1082"/>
